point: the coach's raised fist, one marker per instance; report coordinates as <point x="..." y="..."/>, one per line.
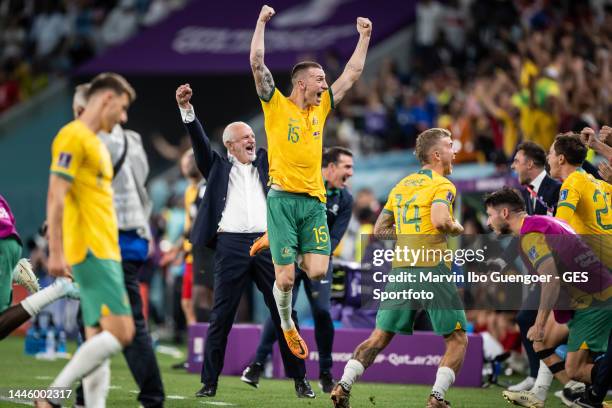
<point x="183" y="95"/>
<point x="266" y="14"/>
<point x="364" y="26"/>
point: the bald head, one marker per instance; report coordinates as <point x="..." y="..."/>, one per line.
<point x="239" y="139"/>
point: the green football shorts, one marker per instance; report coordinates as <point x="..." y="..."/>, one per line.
<point x="102" y="289"/>
<point x="297" y="224"/>
<point x="589" y="329"/>
<point x="10" y="252"/>
<point x="444" y="310"/>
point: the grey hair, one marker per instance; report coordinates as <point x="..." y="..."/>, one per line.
<point x="227" y="132"/>
<point x="80" y="95"/>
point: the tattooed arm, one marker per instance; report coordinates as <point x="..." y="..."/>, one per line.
<point x="385" y="226"/>
<point x="264" y="83"/>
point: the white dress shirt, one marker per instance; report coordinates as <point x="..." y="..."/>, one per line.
<point x="535" y="185"/>
<point x="245" y="203"/>
<point x="537" y="182"/>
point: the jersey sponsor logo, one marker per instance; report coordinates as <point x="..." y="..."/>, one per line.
<point x="414" y="183"/>
<point x="563" y="195"/>
<point x="3" y="213"/>
<point x="533" y="253"/>
<point x="64" y="160"/>
<point x="315" y="121"/>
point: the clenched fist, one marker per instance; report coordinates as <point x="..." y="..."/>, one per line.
<point x="587" y="136"/>
<point x="266" y="14"/>
<point x="364" y="26"/>
<point x="605" y="135"/>
<point x="183" y="95"/>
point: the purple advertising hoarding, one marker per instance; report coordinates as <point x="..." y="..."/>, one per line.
<point x="407" y="360"/>
<point x="215" y="37"/>
<point x="241" y="346"/>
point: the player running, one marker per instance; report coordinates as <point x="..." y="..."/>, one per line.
<point x="83" y="236"/>
<point x="419" y="208"/>
<point x="297" y="222"/>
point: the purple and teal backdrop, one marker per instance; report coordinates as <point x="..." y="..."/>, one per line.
<point x="215" y="37"/>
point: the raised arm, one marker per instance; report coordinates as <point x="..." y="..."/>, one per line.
<point x="354" y="67"/>
<point x="264" y="83"/>
<point x="587" y="136"/>
<point x="202" y="150"/>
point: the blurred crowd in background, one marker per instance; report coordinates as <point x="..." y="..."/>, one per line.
<point x="43" y="39"/>
<point x="494" y="73"/>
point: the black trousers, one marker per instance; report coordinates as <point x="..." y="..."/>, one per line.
<point x="234" y="271"/>
<point x="139" y="355"/>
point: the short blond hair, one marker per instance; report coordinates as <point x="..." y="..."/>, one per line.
<point x="428" y="139"/>
<point x="112" y="81"/>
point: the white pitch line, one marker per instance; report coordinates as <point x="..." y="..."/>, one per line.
<point x="219" y="403"/>
<point x="43" y="377"/>
<point x="175" y="397"/>
<point x="17" y="401"/>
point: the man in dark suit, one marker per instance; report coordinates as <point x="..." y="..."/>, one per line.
<point x="540" y="191"/>
<point x="231" y="216"/>
<point x="541" y="194"/>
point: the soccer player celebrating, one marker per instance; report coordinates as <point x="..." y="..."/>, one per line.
<point x="419" y="207"/>
<point x="591" y="321"/>
<point x="583" y="200"/>
<point x="83" y="235"/>
<point x="297" y="222"/>
<point x="583" y="204"/>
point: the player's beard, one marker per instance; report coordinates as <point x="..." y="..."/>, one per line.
<point x="504" y="229"/>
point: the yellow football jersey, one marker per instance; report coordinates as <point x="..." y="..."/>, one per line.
<point x="537" y="250"/>
<point x="410" y="203"/>
<point x="90" y="223"/>
<point x="295" y="143"/>
<point x="584" y="203"/>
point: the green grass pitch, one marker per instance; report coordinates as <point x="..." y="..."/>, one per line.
<point x="20" y="371"/>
